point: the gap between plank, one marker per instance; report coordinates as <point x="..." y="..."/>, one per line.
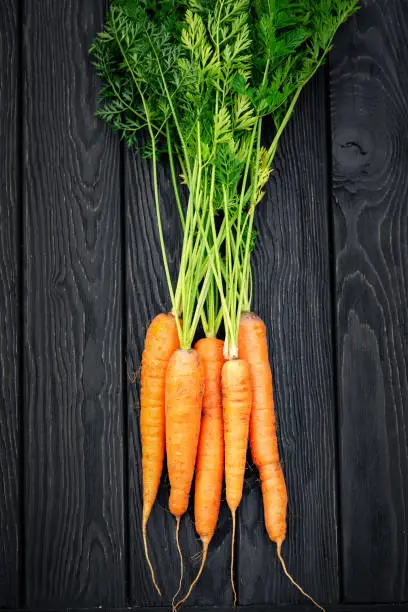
<point x="125" y="426"/>
<point x="333" y="322"/>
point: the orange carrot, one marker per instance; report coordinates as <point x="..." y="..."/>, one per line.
<point x="184" y="398"/>
<point x="263" y="440"/>
<point x="210" y="454"/>
<point x="236" y="402"/>
<point x="160" y="343"/>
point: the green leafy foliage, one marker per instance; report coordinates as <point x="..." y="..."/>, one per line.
<point x="199" y="76"/>
<point x="224" y="63"/>
<point x="292" y="38"/>
<point x="137" y="47"/>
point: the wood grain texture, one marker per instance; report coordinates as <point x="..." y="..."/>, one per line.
<point x="292" y="295"/>
<point x="369" y="94"/>
<point x="9" y="311"/>
<point x="73" y="315"/>
<point x="147" y="295"/>
<point x="271" y="608"/>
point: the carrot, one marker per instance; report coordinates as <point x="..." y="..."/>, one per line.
<point x="184" y="397"/>
<point x="263" y="440"/>
<point x="160" y="343"/>
<point x="210" y="454"/>
<point x="236" y="402"/>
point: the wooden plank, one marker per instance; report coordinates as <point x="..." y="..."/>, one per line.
<point x="292" y="295"/>
<point x="9" y="313"/>
<point x="73" y="316"/>
<point x="271" y="608"/>
<point x="255" y="608"/>
<point x="369" y="92"/>
<point x="147" y="296"/>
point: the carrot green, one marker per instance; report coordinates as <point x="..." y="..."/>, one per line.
<point x="199" y="77"/>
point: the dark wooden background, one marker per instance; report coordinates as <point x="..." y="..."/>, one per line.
<point x="81" y="277"/>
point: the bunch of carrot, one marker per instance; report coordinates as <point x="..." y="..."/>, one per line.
<point x="199" y="76"/>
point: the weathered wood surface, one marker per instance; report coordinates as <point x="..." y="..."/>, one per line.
<point x="84" y="237"/>
<point x="73" y="353"/>
<point x="369" y="96"/>
<point x="10" y="389"/>
<point x="273" y="608"/>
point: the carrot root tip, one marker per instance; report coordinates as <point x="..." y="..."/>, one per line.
<point x="234" y="592"/>
<point x="196" y="579"/>
<point x="173" y="606"/>
<point x="149" y="563"/>
<point x="292" y="580"/>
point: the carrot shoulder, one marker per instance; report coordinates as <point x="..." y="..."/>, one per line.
<point x="160" y="343"/>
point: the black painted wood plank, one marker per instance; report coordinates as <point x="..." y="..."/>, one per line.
<point x="292" y="294"/>
<point x="73" y="318"/>
<point x="268" y="608"/>
<point x="10" y="542"/>
<point x="369" y="93"/>
<point x="147" y="296"/>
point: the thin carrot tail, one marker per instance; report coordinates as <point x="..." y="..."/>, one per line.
<point x="279" y="553"/>
<point x="148" y="558"/>
<point x="234" y="592"/>
<point x="173" y="606"/>
<point x="196" y="579"/>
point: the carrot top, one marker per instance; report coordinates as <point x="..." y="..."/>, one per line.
<point x="199" y="76"/>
